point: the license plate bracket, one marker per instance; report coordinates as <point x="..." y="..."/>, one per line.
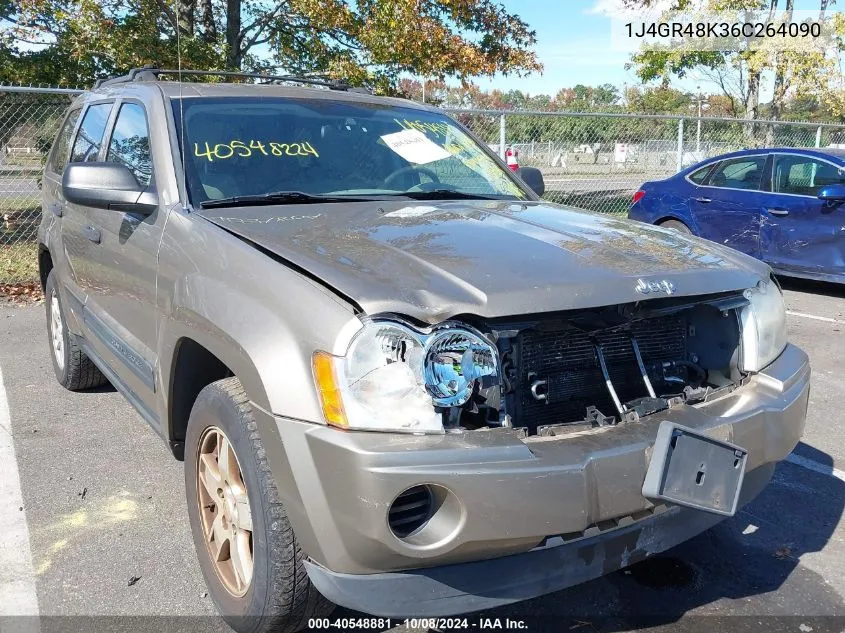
<point x="696" y="471"/>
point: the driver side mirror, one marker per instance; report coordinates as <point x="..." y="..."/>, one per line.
<point x="832" y="193"/>
<point x="532" y="177"/>
<point x="107" y="186"/>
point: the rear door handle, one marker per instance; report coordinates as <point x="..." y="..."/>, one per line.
<point x="57" y="209"/>
<point x="92" y="233"/>
<point x="703" y="199"/>
<point x="777" y="211"/>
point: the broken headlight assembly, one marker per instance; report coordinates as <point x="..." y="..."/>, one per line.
<point x="763" y="326"/>
<point x="396" y="378"/>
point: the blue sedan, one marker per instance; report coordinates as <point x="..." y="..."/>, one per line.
<point x="784" y="206"/>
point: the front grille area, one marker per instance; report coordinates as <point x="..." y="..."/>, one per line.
<point x="566" y="359"/>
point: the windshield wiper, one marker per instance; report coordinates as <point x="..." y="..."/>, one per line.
<point x="444" y="194"/>
<point x="280" y="197"/>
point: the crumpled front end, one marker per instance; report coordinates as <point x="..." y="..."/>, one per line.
<point x="541" y="474"/>
<point x="498" y="492"/>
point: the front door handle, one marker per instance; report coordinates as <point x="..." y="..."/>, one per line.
<point x="778" y="211"/>
<point x="57" y="209"/>
<point x="703" y="199"/>
<point x="92" y="233"/>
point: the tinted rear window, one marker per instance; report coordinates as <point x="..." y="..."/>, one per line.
<point x="745" y="172"/>
<point x="61" y="149"/>
<point x="700" y="175"/>
<point x="89" y="138"/>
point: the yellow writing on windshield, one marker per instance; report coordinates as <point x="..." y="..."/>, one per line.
<point x="462" y="148"/>
<point x="242" y="149"/>
<point x="436" y="128"/>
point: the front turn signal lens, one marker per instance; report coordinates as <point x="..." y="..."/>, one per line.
<point x="328" y="389"/>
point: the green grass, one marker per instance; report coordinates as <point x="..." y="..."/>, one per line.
<point x="18" y="254"/>
<point x="19" y="220"/>
<point x="18" y="262"/>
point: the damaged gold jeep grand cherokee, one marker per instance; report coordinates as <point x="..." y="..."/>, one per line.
<point x="399" y="379"/>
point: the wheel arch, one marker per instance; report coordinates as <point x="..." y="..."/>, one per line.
<point x="193" y="368"/>
<point x="675" y="218"/>
<point x="45" y="264"/>
<point x="199" y="356"/>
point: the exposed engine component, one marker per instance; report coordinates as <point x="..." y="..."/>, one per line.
<point x="608" y="366"/>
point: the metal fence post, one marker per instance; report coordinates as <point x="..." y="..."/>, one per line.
<point x="502" y="136"/>
<point x="680" y="155"/>
<point x="819" y="136"/>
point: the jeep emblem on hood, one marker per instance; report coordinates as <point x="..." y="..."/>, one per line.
<point x="647" y="287"/>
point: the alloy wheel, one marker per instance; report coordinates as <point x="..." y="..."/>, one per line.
<point x="57" y="338"/>
<point x="224" y="510"/>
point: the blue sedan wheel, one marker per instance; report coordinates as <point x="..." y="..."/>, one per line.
<point x="678" y="226"/>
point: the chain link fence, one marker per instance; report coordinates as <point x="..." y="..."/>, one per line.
<point x="598" y="161"/>
<point x="592" y="161"/>
<point x="29" y="119"/>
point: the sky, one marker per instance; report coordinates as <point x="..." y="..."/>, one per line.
<point x="574" y="45"/>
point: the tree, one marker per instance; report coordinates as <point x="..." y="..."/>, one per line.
<point x="586" y="98"/>
<point x="75" y="41"/>
<point x="362" y="41"/>
<point x="515" y="100"/>
<point x="800" y="70"/>
<point x="658" y="100"/>
<point x="605" y="95"/>
<point x="435" y="92"/>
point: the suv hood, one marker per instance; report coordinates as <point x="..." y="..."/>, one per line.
<point x="432" y="261"/>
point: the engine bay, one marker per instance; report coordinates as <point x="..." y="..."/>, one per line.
<point x="567" y="372"/>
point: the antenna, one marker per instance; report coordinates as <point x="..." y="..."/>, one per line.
<point x="181" y="108"/>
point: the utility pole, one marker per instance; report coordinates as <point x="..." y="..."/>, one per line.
<point x="702" y="104"/>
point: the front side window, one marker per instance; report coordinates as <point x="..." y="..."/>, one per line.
<point x="130" y="142"/>
<point x="739" y="173"/>
<point x="90" y="135"/>
<point x="61" y="148"/>
<point x="804" y="176"/>
<point x="250" y="147"/>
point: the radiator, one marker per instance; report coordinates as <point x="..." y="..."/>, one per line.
<point x="567" y="361"/>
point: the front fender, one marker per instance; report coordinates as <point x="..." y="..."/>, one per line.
<point x="263" y="320"/>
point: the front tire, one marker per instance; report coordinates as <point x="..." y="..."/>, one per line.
<point x="248" y="553"/>
<point x="73" y="369"/>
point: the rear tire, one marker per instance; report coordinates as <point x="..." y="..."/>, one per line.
<point x="278" y="595"/>
<point x="679" y="226"/>
<point x="74" y="370"/>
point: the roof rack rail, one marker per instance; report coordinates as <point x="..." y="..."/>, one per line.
<point x="151" y="73"/>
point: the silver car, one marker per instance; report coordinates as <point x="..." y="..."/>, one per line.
<point x="400" y="381"/>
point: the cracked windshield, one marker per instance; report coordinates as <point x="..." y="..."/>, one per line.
<point x="249" y="150"/>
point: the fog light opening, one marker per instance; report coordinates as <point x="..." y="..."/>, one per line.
<point x="410" y="511"/>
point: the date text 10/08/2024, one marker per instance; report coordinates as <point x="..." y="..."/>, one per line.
<point x="437" y="624"/>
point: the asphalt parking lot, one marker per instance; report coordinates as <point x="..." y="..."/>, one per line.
<point x="102" y="502"/>
<point x="15" y="187"/>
